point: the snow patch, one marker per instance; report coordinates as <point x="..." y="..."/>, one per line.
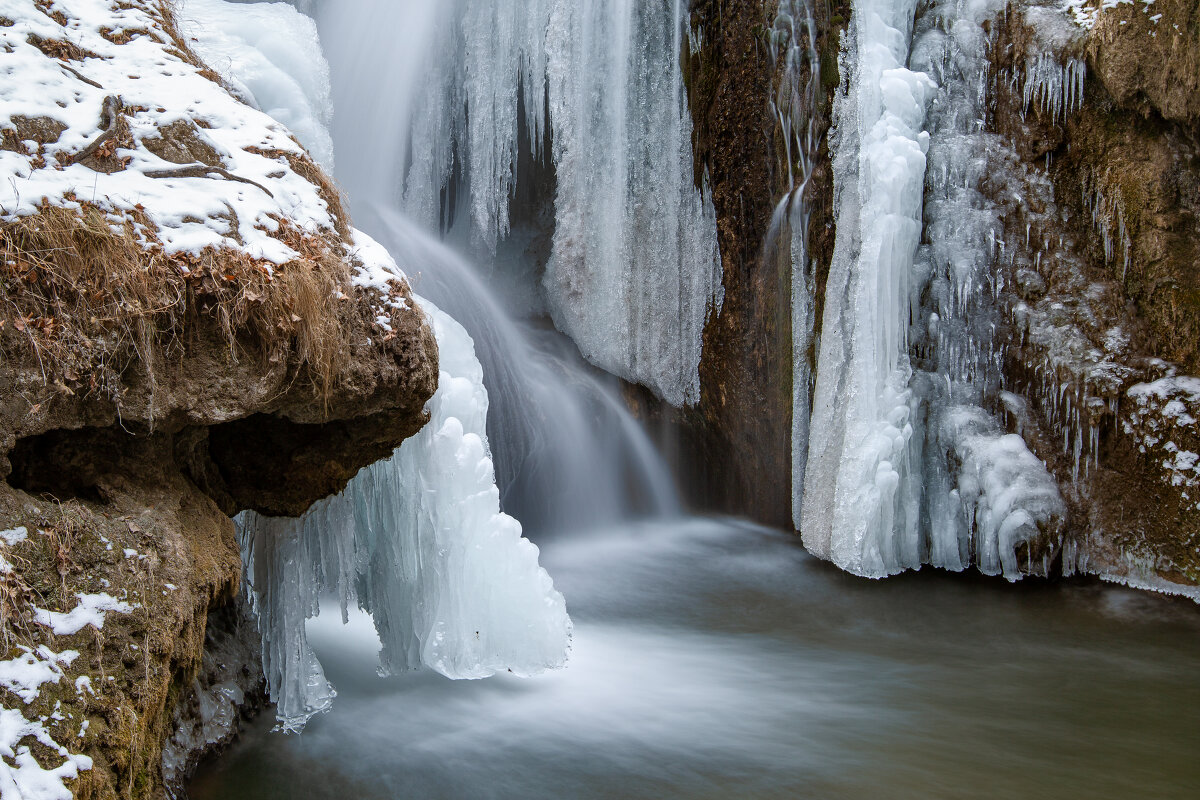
<point x="90" y="611"/>
<point x="156" y="88"/>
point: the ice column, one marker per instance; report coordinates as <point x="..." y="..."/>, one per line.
<point x="419" y="542"/>
<point x="860" y="508"/>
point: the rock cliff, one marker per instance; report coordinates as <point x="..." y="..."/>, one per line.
<point x="201" y="334"/>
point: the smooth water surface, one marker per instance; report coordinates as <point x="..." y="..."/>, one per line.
<point x="713" y="659"/>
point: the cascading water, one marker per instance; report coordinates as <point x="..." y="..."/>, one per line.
<point x="602" y="82"/>
<point x="567" y="452"/>
<point x="793" y="104"/>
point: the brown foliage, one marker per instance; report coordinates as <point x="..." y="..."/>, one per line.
<point x="89" y="294"/>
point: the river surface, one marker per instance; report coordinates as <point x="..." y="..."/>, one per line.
<point x="714" y="659"/>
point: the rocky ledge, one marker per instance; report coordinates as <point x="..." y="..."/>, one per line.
<point x="189" y="328"/>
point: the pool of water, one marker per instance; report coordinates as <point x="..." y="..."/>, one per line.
<point x="713" y="659"/>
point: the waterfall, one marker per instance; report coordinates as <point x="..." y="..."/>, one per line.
<point x="567" y="452"/>
<point x="633" y="270"/>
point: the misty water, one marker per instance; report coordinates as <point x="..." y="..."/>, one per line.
<point x="716" y="659"/>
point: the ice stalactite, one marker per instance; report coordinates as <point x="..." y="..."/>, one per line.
<point x="860" y="507"/>
<point x="419" y="542"/>
<point x="635" y="268"/>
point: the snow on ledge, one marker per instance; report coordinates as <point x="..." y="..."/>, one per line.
<point x="237" y="203"/>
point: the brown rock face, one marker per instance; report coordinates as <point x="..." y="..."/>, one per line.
<point x="1113" y="195"/>
<point x="194" y="427"/>
<point x="736" y="445"/>
<point x="1150" y="66"/>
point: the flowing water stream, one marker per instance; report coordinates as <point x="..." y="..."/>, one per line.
<point x="714" y="659"/>
<point x="710" y="658"/>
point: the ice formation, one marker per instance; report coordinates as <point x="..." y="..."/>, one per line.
<point x="609" y="75"/>
<point x="420" y="543"/>
<point x="635" y="267"/>
<point x="910" y="463"/>
<point x="861" y="489"/>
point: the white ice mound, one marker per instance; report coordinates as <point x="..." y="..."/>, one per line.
<point x="1003" y="497"/>
<point x="420" y="543"/>
<point x="271" y="55"/>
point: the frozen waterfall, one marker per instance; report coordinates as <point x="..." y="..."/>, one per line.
<point x="634" y="269"/>
<point x="908" y="462"/>
<point x="861" y="494"/>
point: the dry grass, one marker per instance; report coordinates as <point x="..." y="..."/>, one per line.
<point x="90" y="297"/>
<point x="15" y="601"/>
<point x="62" y="539"/>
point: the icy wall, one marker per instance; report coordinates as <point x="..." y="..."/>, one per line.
<point x="635" y="266"/>
<point x="634" y="269"/>
<point x="908" y="463"/>
<point x="419" y="542"/>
